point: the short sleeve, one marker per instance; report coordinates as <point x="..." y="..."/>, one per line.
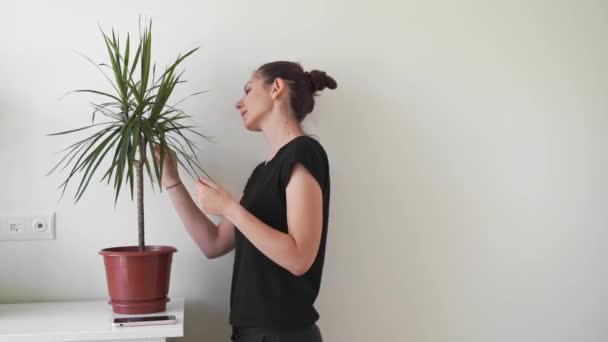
<point x="312" y="156"/>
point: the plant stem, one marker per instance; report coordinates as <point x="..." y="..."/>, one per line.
<point x="139" y="179"/>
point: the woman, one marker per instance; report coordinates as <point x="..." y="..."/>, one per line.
<point x="278" y="228"/>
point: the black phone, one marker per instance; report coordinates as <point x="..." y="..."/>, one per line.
<point x="143" y="320"/>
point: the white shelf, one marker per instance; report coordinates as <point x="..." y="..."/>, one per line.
<point x="80" y="321"/>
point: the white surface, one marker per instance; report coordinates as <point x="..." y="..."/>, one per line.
<point x="467" y="142"/>
<point x="79" y="321"/>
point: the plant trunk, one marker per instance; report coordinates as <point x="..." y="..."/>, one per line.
<point x="139" y="179"/>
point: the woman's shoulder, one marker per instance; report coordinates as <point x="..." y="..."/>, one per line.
<point x="307" y="151"/>
<point x="305" y="143"/>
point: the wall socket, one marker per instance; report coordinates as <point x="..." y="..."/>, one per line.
<point x="36" y="227"/>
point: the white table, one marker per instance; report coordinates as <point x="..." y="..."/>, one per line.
<point x="81" y="321"/>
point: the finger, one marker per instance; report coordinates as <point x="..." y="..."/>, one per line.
<point x="207" y="182"/>
<point x="200" y="189"/>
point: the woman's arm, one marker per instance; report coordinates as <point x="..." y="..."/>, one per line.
<point x="214" y="240"/>
<point x="297" y="250"/>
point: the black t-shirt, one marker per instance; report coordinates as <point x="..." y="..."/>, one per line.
<point x="264" y="294"/>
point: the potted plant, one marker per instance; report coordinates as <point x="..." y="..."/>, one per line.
<point x="138" y="117"/>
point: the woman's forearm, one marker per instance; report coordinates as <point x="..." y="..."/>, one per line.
<point x="276" y="245"/>
<point x="202" y="230"/>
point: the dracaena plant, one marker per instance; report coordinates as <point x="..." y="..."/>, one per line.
<point x="137" y="117"/>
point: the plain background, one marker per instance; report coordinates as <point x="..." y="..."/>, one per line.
<point x="467" y="144"/>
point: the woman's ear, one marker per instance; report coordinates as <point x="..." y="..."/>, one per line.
<point x="278" y="87"/>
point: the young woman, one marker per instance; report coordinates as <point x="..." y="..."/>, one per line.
<point x="278" y="228"/>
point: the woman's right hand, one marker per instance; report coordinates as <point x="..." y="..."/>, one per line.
<point x="170" y="173"/>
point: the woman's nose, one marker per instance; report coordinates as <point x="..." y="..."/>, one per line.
<point x="239" y="104"/>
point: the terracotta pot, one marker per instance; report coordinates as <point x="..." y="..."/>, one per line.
<point x="138" y="282"/>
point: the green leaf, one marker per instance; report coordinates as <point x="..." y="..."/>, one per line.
<point x="78" y="146"/>
<point x="95" y="155"/>
<point x="79" y="129"/>
<point x="111" y="169"/>
<point x="190" y="160"/>
<point x="122" y="158"/>
<point x="150" y="138"/>
<point x="99" y="68"/>
<point x="114" y="55"/>
<point x="103" y="109"/>
<point x="177" y="62"/>
<point x="78" y="165"/>
<point x="188" y="141"/>
<point x="94" y="92"/>
<point x="189" y="96"/>
<point x="145" y="58"/>
<point x="135" y="61"/>
<point x="178" y="151"/>
<point x="150" y="174"/>
<point x="125" y="68"/>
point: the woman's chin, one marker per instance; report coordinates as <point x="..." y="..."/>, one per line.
<point x="251" y="126"/>
<point x="253" y="129"/>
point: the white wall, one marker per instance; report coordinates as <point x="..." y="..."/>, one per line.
<point x="467" y="142"/>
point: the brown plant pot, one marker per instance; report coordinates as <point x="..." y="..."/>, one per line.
<point x="138" y="282"/>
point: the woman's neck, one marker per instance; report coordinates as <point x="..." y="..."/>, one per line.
<point x="280" y="131"/>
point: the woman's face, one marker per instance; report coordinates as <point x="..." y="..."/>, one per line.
<point x="256" y="104"/>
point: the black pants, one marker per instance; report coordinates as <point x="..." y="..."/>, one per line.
<point x="310" y="334"/>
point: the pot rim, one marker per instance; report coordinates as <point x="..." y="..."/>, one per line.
<point x="134" y="251"/>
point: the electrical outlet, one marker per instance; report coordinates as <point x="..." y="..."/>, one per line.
<point x="16" y="225"/>
<point x="38" y="227"/>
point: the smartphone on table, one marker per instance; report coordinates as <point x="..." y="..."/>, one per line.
<point x="143" y="320"/>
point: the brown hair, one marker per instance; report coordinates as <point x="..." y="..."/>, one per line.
<point x="303" y="85"/>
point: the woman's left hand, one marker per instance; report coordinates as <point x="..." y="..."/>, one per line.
<point x="212" y="198"/>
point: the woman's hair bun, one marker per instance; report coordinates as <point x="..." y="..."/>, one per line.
<point x="319" y="80"/>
